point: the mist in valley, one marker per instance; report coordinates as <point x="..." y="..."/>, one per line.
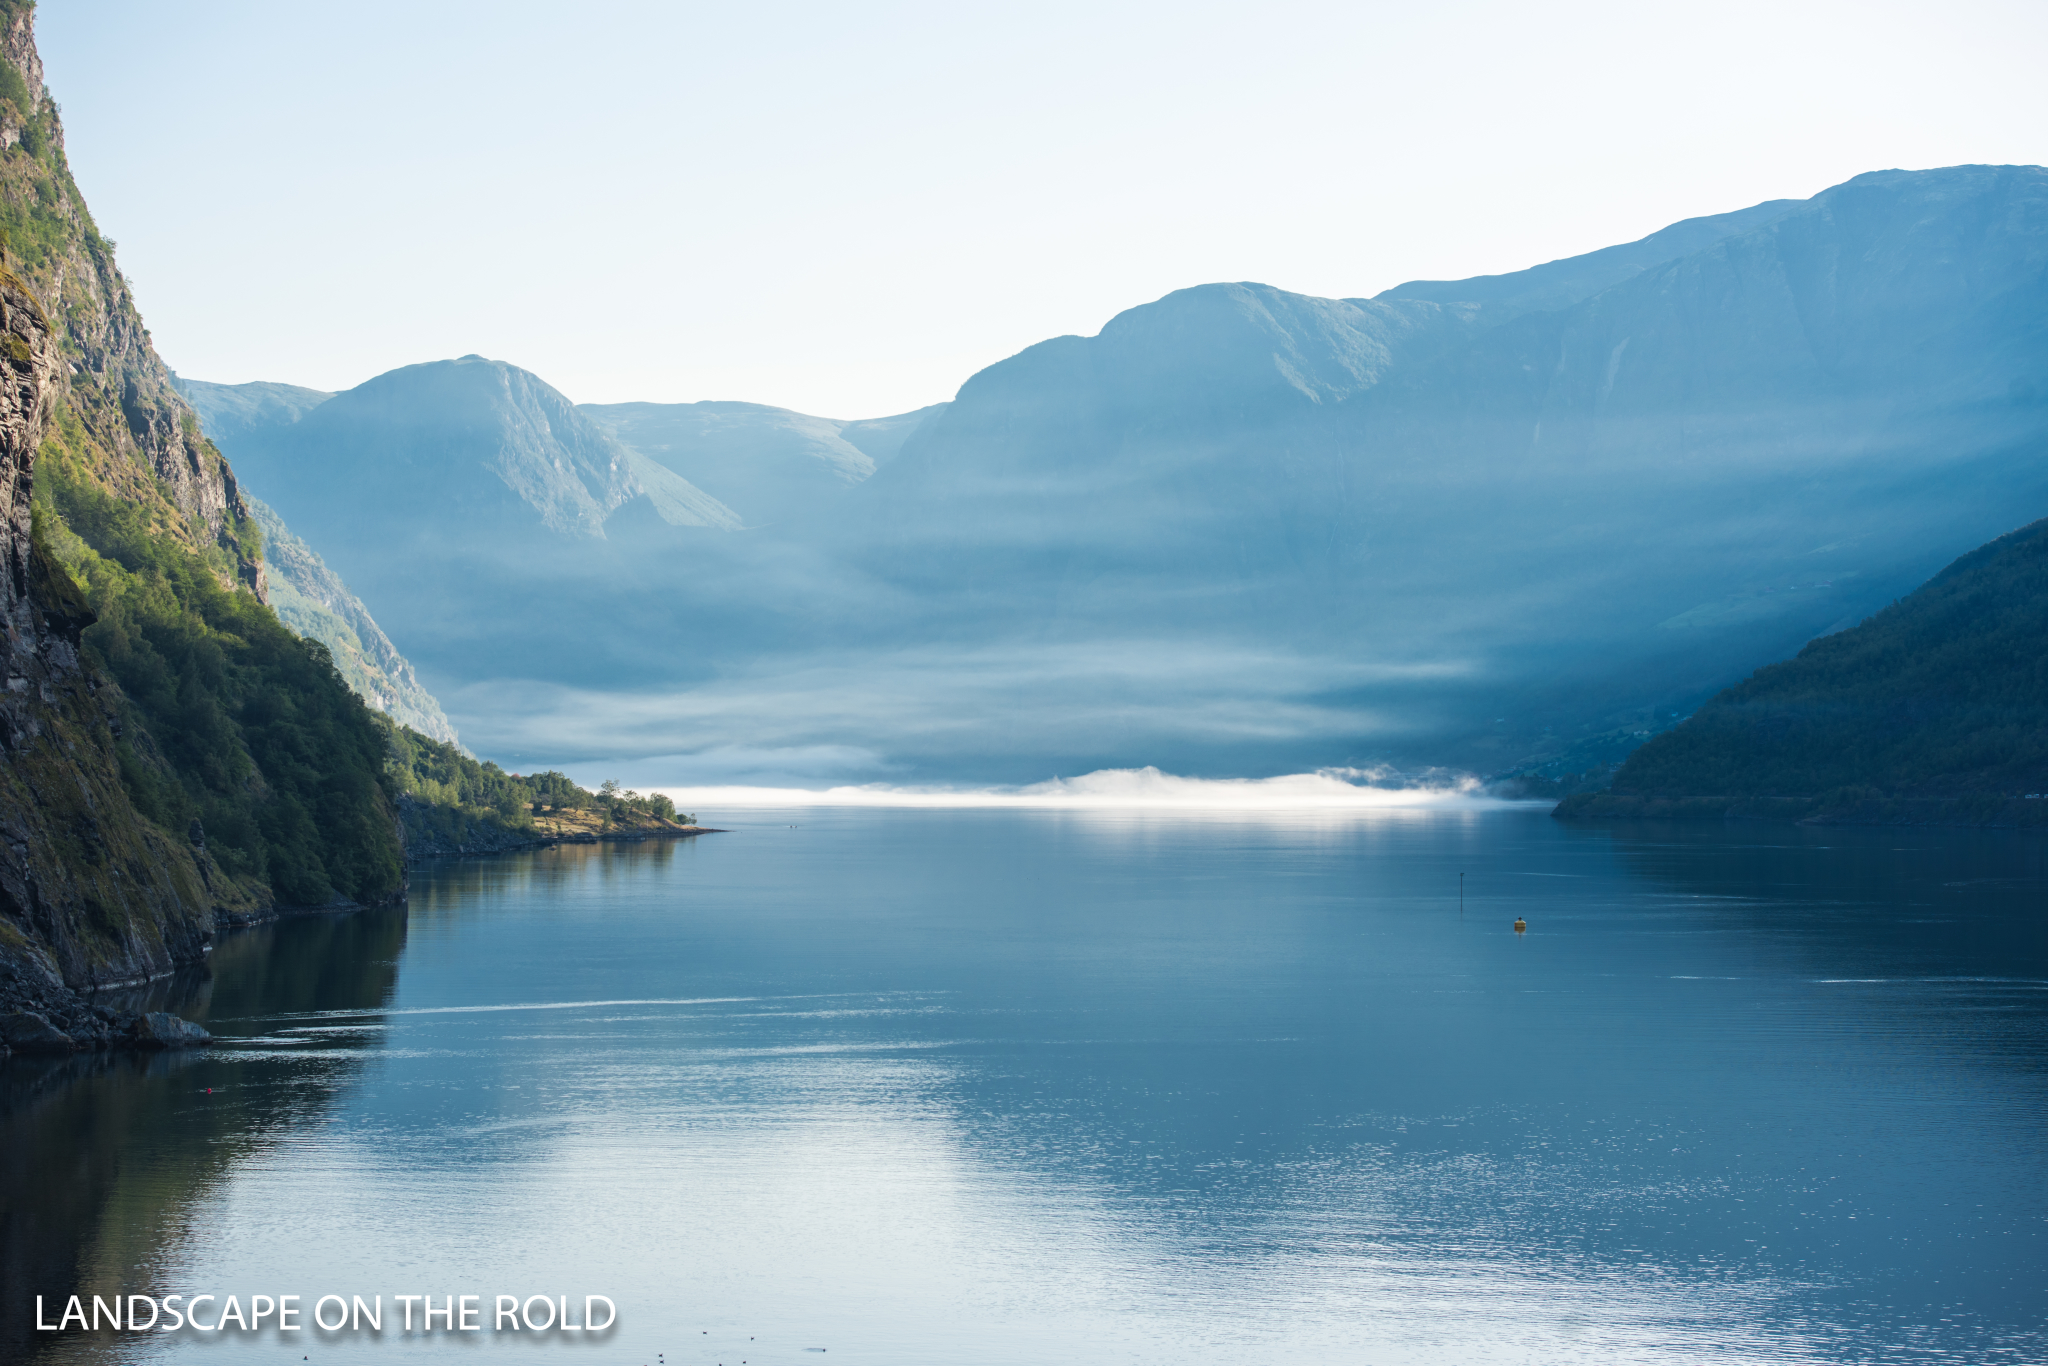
<point x="1480" y="525"/>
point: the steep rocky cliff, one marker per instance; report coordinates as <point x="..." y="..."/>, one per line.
<point x="176" y="759"/>
<point x="90" y="893"/>
<point x="121" y="415"/>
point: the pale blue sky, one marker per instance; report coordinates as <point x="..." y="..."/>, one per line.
<point x="849" y="209"/>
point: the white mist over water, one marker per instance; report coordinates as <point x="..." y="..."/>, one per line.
<point x="1148" y="789"/>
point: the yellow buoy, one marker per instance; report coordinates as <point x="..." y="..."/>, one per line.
<point x="1521" y="925"/>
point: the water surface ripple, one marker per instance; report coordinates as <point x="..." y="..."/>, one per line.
<point x="1032" y="1086"/>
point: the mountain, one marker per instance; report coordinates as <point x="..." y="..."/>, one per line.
<point x="311" y="599"/>
<point x="1487" y="523"/>
<point x="480" y="441"/>
<point x="1934" y="710"/>
<point x="762" y="463"/>
<point x="177" y="760"/>
<point x="768" y="464"/>
<point x="881" y="439"/>
<point x="486" y="523"/>
<point x="307" y="596"/>
<point x="1495" y="532"/>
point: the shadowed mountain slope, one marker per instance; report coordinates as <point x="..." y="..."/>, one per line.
<point x="1568" y="523"/>
<point x="1935" y="708"/>
<point x="482" y="518"/>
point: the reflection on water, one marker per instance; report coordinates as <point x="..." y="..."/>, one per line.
<point x="111" y="1158"/>
<point x="1017" y="1086"/>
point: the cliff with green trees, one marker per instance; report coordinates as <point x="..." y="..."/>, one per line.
<point x="1933" y="711"/>
<point x="244" y="736"/>
<point x="178" y="759"/>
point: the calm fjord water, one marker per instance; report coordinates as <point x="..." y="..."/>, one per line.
<point x="1050" y="1086"/>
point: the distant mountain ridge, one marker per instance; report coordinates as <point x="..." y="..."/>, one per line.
<point x="1600" y="510"/>
<point x="766" y="463"/>
<point x="739" y="463"/>
<point x="236" y="412"/>
<point x="1560" y="284"/>
<point x="1474" y="522"/>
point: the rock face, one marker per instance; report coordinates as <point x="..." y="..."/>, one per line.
<point x="126" y="903"/>
<point x="33" y="1034"/>
<point x="92" y="894"/>
<point x="122" y="393"/>
<point x="25" y="1031"/>
<point x="28" y="389"/>
<point x="161" y="1029"/>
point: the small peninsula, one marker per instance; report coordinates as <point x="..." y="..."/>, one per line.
<point x="452" y="805"/>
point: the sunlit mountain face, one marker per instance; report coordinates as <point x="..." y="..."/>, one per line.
<point x="1471" y="524"/>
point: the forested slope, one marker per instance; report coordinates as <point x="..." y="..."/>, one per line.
<point x="1934" y="709"/>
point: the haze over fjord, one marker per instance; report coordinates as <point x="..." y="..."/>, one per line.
<point x="1239" y="530"/>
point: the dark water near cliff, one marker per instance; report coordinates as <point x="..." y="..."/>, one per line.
<point x="1026" y="1087"/>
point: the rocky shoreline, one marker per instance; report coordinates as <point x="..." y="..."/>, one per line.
<point x="502" y="841"/>
<point x="82" y="1026"/>
<point x="47" y="1019"/>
